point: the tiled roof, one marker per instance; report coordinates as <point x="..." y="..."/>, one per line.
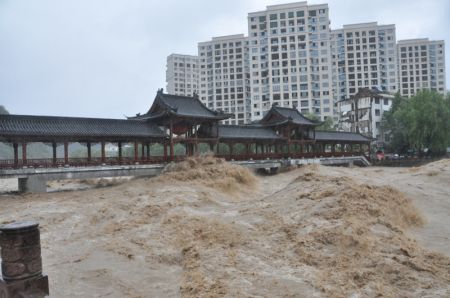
<point x="340" y="136"/>
<point x="189" y="106"/>
<point x="289" y="115"/>
<point x="249" y="132"/>
<point x="181" y="106"/>
<point x="17" y="125"/>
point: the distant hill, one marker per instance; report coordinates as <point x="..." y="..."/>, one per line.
<point x="3" y="110"/>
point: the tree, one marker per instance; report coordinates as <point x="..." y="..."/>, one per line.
<point x="3" y="111"/>
<point x="327" y="125"/>
<point x="392" y="126"/>
<point x="421" y="122"/>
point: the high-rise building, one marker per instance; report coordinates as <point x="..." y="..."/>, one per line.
<point x="290" y="60"/>
<point x="182" y="74"/>
<point x="224" y="76"/>
<point x="363" y="56"/>
<point x="421" y="65"/>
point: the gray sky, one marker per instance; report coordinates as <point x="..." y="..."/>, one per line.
<point x="106" y="58"/>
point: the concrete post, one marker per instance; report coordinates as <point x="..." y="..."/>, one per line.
<point x="22" y="261"/>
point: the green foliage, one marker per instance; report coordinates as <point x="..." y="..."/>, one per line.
<point x="3" y="111"/>
<point x="327" y="125"/>
<point x="423" y="121"/>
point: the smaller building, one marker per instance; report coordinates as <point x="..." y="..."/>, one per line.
<point x="363" y="112"/>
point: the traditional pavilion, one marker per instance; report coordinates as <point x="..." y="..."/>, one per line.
<point x="181" y="117"/>
<point x="175" y="121"/>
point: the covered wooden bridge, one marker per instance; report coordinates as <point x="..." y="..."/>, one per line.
<point x="173" y="128"/>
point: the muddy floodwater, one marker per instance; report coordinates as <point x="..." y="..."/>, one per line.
<point x="206" y="228"/>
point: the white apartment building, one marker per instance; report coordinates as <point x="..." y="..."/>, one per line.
<point x="290" y="60"/>
<point x="421" y="65"/>
<point x="363" y="56"/>
<point x="224" y="76"/>
<point x="363" y="113"/>
<point x="182" y="74"/>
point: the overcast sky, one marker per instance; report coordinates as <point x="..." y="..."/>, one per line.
<point x="106" y="58"/>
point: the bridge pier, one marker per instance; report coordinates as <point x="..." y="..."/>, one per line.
<point x="32" y="184"/>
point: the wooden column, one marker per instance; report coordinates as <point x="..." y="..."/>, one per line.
<point x="119" y="144"/>
<point x="16" y="154"/>
<point x="211" y="146"/>
<point x="89" y="152"/>
<point x="54" y="147"/>
<point x="103" y="152"/>
<point x="171" y="141"/>
<point x="66" y="152"/>
<point x="165" y="152"/>
<point x="148" y="151"/>
<point x="196" y="140"/>
<point x="136" y="152"/>
<point x="24" y="153"/>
